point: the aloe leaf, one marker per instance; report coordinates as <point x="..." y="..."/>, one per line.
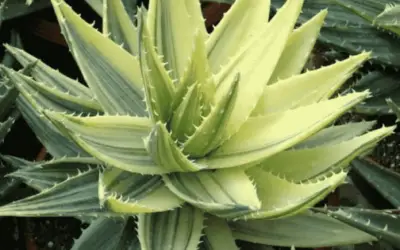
<point x="282" y="198"/>
<point x="8" y="95"/>
<point x="298" y="48"/>
<point x="115" y="140"/>
<point x="348" y="27"/>
<point x="256" y="61"/>
<point x="218" y="235"/>
<point x="76" y="196"/>
<point x="225" y="192"/>
<point x="103" y="62"/>
<point x="19" y="8"/>
<point x="6" y="125"/>
<point x="385" y="181"/>
<point x="263" y="136"/>
<point x="303" y="230"/>
<point x="130" y="193"/>
<point x="394" y="108"/>
<point x="238" y="27"/>
<point x="49" y="77"/>
<point x="44" y="175"/>
<point x="119" y="26"/>
<point x="50" y="97"/>
<point x="173" y="34"/>
<point x="308" y="88"/>
<point x="55" y="143"/>
<point x="165" y="153"/>
<point x="383" y="85"/>
<point x="306" y="163"/>
<point x="158" y="86"/>
<point x="382" y="224"/>
<point x="336" y="134"/>
<point x="108" y="234"/>
<point x="179" y="229"/>
<point x="209" y="134"/>
<point x="389" y="18"/>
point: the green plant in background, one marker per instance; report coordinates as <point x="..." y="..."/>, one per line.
<point x="353" y="26"/>
<point x="198" y="137"/>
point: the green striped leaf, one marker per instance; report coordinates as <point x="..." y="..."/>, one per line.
<point x="236" y="27"/>
<point x="282" y="198"/>
<point x="115" y="140"/>
<point x="173" y="34"/>
<point x="108" y="234"/>
<point x="256" y="62"/>
<point x="118" y="25"/>
<point x="303" y="230"/>
<point x="76" y="196"/>
<point x="130" y="193"/>
<point x="307" y="163"/>
<point x="262" y="136"/>
<point x="103" y="62"/>
<point x="308" y="88"/>
<point x="298" y="48"/>
<point x="218" y="235"/>
<point x="158" y="86"/>
<point x="179" y="229"/>
<point x="225" y="192"/>
<point x="45" y="175"/>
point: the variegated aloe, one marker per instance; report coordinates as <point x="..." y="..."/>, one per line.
<point x="178" y="125"/>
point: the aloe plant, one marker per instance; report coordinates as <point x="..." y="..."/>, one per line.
<point x="198" y="137"/>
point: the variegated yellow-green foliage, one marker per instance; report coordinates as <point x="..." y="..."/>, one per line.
<point x="220" y="134"/>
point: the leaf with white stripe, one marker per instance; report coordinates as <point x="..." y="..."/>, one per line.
<point x="242" y="22"/>
<point x="173" y="34"/>
<point x="308" y="88"/>
<point x="179" y="229"/>
<point x="262" y="136"/>
<point x="115" y="140"/>
<point x="307" y="163"/>
<point x="282" y="198"/>
<point x="119" y="26"/>
<point x="111" y="72"/>
<point x="224" y="192"/>
<point x="218" y="235"/>
<point x="129" y="193"/>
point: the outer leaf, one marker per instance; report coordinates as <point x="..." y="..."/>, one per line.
<point x="173" y="34"/>
<point x="350" y="29"/>
<point x="8" y="95"/>
<point x="385" y="181"/>
<point x="56" y="144"/>
<point x="394" y="108"/>
<point x="237" y="25"/>
<point x="303" y="164"/>
<point x="49" y="78"/>
<point x="308" y="88"/>
<point x="179" y="229"/>
<point x="108" y="234"/>
<point x="158" y="86"/>
<point x="225" y="192"/>
<point x="218" y="235"/>
<point x="382" y="85"/>
<point x="76" y="196"/>
<point x="20" y="8"/>
<point x="298" y="48"/>
<point x="45" y="175"/>
<point x="263" y="136"/>
<point x="51" y="97"/>
<point x="129" y="193"/>
<point x="6" y="125"/>
<point x="103" y="62"/>
<point x="119" y="26"/>
<point x="303" y="230"/>
<point x="256" y="62"/>
<point x="281" y="198"/>
<point x="382" y="224"/>
<point x="336" y="134"/>
<point x="115" y="140"/>
<point x="389" y="18"/>
<point x="165" y="153"/>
